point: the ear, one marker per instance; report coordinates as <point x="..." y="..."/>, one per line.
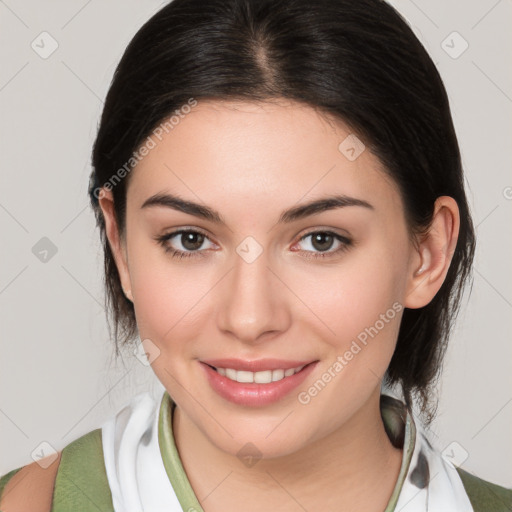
<point x="116" y="242"/>
<point x="431" y="260"/>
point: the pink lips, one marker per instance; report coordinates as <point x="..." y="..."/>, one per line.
<point x="254" y="394"/>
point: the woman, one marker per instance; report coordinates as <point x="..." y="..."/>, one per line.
<point x="291" y="250"/>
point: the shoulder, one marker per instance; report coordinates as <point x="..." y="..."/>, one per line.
<point x="485" y="496"/>
<point x="30" y="487"/>
<point x="75" y="480"/>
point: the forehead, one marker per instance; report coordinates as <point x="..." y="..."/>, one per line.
<point x="255" y="154"/>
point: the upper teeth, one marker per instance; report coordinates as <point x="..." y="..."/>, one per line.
<point x="263" y="377"/>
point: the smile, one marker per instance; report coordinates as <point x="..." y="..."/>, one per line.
<point x="262" y="377"/>
<point x="255" y="383"/>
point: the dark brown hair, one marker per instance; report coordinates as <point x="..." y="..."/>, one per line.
<point x="357" y="61"/>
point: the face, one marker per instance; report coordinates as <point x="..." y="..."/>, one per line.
<point x="322" y="288"/>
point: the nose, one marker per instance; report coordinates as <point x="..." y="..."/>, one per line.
<point x="253" y="306"/>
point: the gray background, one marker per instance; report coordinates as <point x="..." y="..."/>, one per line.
<point x="58" y="379"/>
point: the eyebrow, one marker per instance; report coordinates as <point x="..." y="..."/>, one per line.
<point x="287" y="216"/>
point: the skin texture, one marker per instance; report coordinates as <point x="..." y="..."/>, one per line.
<point x="250" y="162"/>
<point x="31" y="488"/>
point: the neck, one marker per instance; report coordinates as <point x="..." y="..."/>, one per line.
<point x="354" y="467"/>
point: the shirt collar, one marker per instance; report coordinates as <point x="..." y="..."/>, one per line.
<point x="398" y="422"/>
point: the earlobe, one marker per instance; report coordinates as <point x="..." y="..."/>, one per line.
<point x="117" y="246"/>
<point x="434" y="254"/>
<point x="128" y="294"/>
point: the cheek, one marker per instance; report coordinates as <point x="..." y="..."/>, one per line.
<point x="167" y="296"/>
<point x="358" y="300"/>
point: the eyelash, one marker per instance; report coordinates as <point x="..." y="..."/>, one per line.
<point x="346" y="243"/>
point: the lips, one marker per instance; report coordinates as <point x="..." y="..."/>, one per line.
<point x="252" y="383"/>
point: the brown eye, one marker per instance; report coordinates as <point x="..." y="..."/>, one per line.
<point x="191" y="240"/>
<point x="183" y="243"/>
<point x="321" y="243"/>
